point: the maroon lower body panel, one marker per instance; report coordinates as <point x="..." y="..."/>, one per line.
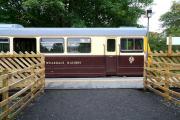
<point x="75" y="66"/>
<point x="111" y="65"/>
<point x="130" y="65"/>
<point x="93" y="66"/>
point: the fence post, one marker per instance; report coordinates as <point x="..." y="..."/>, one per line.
<point x="43" y="67"/>
<point x="166" y="82"/>
<point x="145" y="75"/>
<point x="33" y="81"/>
<point x="170" y="46"/>
<point x="5" y="95"/>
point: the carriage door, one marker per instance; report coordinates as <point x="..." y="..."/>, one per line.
<point x="111" y="57"/>
<point x="130" y="61"/>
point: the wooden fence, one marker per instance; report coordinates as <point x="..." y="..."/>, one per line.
<point x="162" y="75"/>
<point x="22" y="78"/>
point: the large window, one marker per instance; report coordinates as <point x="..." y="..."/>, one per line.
<point x="79" y="45"/>
<point x="52" y="45"/>
<point x="131" y="45"/>
<point x="24" y="44"/>
<point x="4" y="44"/>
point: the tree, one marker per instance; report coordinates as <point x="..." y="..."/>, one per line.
<point x="171" y="20"/>
<point x="157" y="42"/>
<point x="11" y="11"/>
<point x="73" y="13"/>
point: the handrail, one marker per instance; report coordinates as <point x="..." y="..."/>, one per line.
<point x="104" y="49"/>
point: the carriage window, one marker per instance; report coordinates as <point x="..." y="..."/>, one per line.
<point x="52" y="45"/>
<point x="4" y="44"/>
<point x="131" y="45"/>
<point x="79" y="45"/>
<point x="111" y="45"/>
<point x="139" y="44"/>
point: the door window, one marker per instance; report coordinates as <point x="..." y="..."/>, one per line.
<point x="111" y="44"/>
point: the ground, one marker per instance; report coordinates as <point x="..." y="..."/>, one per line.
<point x="100" y="104"/>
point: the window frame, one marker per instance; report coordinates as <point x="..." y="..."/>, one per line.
<point x="7" y="42"/>
<point x="134" y="45"/>
<point x="79" y="38"/>
<point x="64" y="47"/>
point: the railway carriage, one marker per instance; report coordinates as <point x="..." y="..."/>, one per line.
<point x="81" y="52"/>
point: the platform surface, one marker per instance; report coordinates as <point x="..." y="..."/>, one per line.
<point x="91" y="83"/>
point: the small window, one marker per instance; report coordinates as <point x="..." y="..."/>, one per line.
<point x="124" y="43"/>
<point x="78" y="45"/>
<point x="52" y="45"/>
<point x="4" y="44"/>
<point x="131" y="45"/>
<point x="111" y="45"/>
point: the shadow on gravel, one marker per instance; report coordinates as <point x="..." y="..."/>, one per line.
<point x="100" y="104"/>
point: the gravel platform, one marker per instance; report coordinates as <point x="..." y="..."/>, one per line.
<point x="99" y="104"/>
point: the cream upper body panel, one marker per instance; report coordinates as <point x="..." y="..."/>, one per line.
<point x="98" y="37"/>
<point x="98" y="44"/>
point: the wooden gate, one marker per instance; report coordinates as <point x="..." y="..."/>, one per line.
<point x="162" y="75"/>
<point x="21" y="80"/>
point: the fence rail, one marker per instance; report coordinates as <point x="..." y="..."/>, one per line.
<point x="21" y="80"/>
<point x="162" y="75"/>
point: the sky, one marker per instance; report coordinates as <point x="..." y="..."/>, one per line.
<point x="159" y="7"/>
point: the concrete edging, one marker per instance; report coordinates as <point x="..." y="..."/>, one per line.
<point x="93" y="83"/>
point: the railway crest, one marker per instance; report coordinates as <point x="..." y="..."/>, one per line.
<point x="131" y="59"/>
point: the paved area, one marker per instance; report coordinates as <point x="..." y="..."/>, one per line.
<point x="100" y="104"/>
<point x="99" y="82"/>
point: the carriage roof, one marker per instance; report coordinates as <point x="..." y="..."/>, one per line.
<point x="17" y="30"/>
<point x="11" y="26"/>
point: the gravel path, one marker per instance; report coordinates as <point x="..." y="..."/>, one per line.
<point x="100" y="104"/>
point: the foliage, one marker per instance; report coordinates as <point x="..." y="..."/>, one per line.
<point x="72" y="13"/>
<point x="157" y="42"/>
<point x="171" y="20"/>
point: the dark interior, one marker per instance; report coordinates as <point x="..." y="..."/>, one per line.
<point x="111" y="45"/>
<point x="24" y="44"/>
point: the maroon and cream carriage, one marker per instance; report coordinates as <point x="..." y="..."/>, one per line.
<point x="81" y="52"/>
